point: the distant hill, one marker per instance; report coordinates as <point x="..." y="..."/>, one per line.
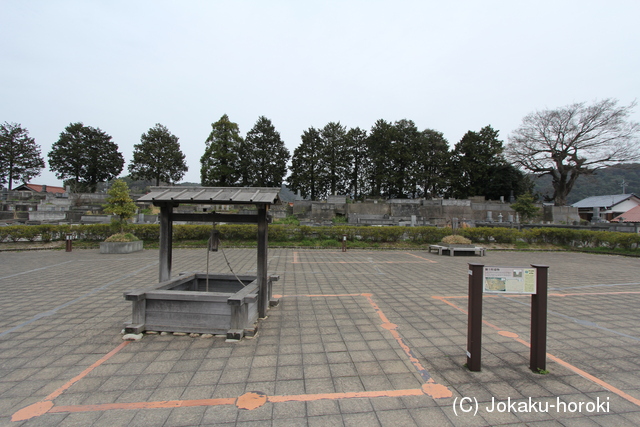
<point x="287" y="195"/>
<point x="605" y="181"/>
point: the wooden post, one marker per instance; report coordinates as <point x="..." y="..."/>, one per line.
<point x="474" y="326"/>
<point x="538" y="355"/>
<point x="263" y="303"/>
<point x="166" y="231"/>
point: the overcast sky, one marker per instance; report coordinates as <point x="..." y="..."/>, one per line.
<point x="452" y="66"/>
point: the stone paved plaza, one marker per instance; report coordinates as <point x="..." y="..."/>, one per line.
<point x="362" y="338"/>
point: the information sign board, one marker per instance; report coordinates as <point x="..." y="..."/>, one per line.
<point x="509" y="280"/>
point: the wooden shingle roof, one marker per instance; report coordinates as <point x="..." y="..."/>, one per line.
<point x="213" y="195"/>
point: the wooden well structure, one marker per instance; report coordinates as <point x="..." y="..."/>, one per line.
<point x="173" y="291"/>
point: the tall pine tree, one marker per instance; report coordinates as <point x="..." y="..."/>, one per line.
<point x="473" y="162"/>
<point x="263" y="157"/>
<point x="220" y="161"/>
<point x="307" y="172"/>
<point x="83" y="156"/>
<point x="20" y="158"/>
<point x="158" y="157"/>
<point x="357" y="161"/>
<point x="335" y="157"/>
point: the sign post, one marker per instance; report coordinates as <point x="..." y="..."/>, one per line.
<point x="474" y="327"/>
<point x="538" y="356"/>
<point x="508" y="280"/>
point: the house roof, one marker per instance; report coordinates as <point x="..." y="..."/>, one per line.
<point x="632" y="215"/>
<point x="38" y="188"/>
<point x="603" y="201"/>
<point x="213" y="195"/>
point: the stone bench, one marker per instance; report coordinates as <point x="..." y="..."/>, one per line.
<point x="477" y="250"/>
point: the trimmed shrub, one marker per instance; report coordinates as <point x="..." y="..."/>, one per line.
<point x="628" y="241"/>
<point x="122" y="237"/>
<point x="381" y="234"/>
<point x="426" y="234"/>
<point x="315" y="236"/>
<point x="505" y="235"/>
<point x="486" y="234"/>
<point x="148" y="232"/>
<point x="477" y="234"/>
<point x="455" y="239"/>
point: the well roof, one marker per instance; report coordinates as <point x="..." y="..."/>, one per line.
<point x="213" y="195"/>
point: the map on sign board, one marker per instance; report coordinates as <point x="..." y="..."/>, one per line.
<point x="509" y="280"/>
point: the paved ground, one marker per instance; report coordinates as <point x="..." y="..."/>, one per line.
<point x="359" y="338"/>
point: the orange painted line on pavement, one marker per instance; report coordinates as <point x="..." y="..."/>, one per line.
<point x="143" y="405"/>
<point x="392" y="328"/>
<point x="359" y="262"/>
<point x="426" y="259"/>
<point x="253" y="400"/>
<point x="44" y="406"/>
<point x="317" y="295"/>
<point x="595" y="380"/>
<point x="296" y="260"/>
<point x="248" y="401"/>
<point x="556" y="359"/>
<point x="526" y="296"/>
<point x="593" y="293"/>
<point x="84" y="373"/>
<point x="347" y="395"/>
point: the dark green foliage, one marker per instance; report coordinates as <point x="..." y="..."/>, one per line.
<point x="402" y="158"/>
<point x="158" y="157"/>
<point x="395" y="160"/>
<point x="357" y="162"/>
<point x="379" y="145"/>
<point x="525" y="208"/>
<point x="308" y="175"/>
<point x="263" y="156"/>
<point x="330" y="161"/>
<point x="85" y="156"/>
<point x="430" y="167"/>
<point x="220" y="162"/>
<point x="20" y="158"/>
<point x="474" y="161"/>
<point x="506" y="180"/>
<point x="335" y="158"/>
<point x="404" y="162"/>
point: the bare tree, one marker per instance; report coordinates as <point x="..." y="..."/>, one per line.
<point x="574" y="140"/>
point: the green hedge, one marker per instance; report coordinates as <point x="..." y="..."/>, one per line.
<point x="296" y="233"/>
